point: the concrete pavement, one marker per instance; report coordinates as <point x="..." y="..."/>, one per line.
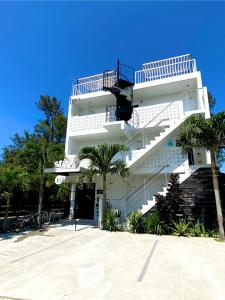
<point x="92" y="264"/>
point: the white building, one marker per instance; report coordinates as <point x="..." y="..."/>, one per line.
<point x="164" y="94"/>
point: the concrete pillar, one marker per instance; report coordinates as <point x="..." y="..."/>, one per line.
<point x="100" y="212"/>
<point x="72" y="200"/>
<point x="208" y="158"/>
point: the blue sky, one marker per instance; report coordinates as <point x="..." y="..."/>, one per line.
<point x="44" y="45"/>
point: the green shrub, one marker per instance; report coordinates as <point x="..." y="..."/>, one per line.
<point x="154" y="224"/>
<point x="197" y="229"/>
<point x="212" y="233"/>
<point x="112" y="220"/>
<point x="137" y="223"/>
<point x="181" y="227"/>
<point x="169" y="206"/>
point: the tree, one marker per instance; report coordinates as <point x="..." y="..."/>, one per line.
<point x="198" y="132"/>
<point x="212" y="101"/>
<point x="10" y="180"/>
<point x="38" y="154"/>
<point x="35" y="151"/>
<point x="102" y="163"/>
<point x="53" y="126"/>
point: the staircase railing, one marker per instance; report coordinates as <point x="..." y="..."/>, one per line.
<point x="129" y="142"/>
<point x="152" y="178"/>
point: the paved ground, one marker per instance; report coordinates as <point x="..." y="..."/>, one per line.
<point x="93" y="264"/>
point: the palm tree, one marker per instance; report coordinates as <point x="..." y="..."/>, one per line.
<point x="198" y="132"/>
<point x="102" y="163"/>
<point x="10" y="180"/>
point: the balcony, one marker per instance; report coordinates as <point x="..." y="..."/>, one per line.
<point x="173" y="109"/>
<point x="152" y="71"/>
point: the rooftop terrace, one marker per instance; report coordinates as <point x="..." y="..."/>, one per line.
<point x="151" y="71"/>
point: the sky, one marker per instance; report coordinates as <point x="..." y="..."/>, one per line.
<point x="44" y="45"/>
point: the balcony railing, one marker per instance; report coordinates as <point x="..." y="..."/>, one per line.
<point x="96" y="121"/>
<point x="165" y="68"/>
<point x="156" y="70"/>
<point x="146" y="116"/>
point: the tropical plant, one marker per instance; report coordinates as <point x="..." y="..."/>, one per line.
<point x="168" y="206"/>
<point x="197" y="229"/>
<point x="112" y="221"/>
<point x="154" y="224"/>
<point x="136" y="222"/>
<point x="103" y="162"/>
<point x="198" y="132"/>
<point x="10" y="181"/>
<point x="181" y="227"/>
<point x="212" y="233"/>
<point x="33" y="152"/>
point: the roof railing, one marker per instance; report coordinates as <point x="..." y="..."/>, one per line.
<point x="151" y="71"/>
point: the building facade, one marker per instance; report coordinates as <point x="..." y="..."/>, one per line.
<point x="143" y="113"/>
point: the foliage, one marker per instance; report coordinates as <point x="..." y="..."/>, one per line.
<point x="112" y="221"/>
<point x="34" y="151"/>
<point x="154" y="224"/>
<point x="136" y="222"/>
<point x="197" y="229"/>
<point x="53" y="126"/>
<point x="102" y="162"/>
<point x="63" y="191"/>
<point x="198" y="132"/>
<point x="212" y="101"/>
<point x="168" y="206"/>
<point x="11" y="180"/>
<point x="181" y="227"/>
<point x="214" y="233"/>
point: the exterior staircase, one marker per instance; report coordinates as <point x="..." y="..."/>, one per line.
<point x="182" y="177"/>
<point x="137" y="155"/>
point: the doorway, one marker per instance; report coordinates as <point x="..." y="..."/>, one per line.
<point x="85" y="201"/>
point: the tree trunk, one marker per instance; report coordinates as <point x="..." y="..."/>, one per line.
<point x="40" y="199"/>
<point x="6" y="214"/>
<point x="104" y="194"/>
<point x="217" y="195"/>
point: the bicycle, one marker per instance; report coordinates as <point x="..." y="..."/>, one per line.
<point x="24" y="222"/>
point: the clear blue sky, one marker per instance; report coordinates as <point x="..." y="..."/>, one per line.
<point x="44" y="45"/>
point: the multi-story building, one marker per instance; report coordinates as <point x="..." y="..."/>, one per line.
<point x="145" y="114"/>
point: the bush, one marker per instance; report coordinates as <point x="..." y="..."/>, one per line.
<point x="213" y="233"/>
<point x="197" y="229"/>
<point x="181" y="227"/>
<point x="112" y="220"/>
<point x="169" y="206"/>
<point x="137" y="223"/>
<point x="154" y="224"/>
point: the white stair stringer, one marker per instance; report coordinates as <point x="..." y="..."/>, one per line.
<point x="150" y="203"/>
<point x="140" y="154"/>
<point x="182" y="178"/>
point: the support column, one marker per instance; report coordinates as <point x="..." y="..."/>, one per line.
<point x="100" y="212"/>
<point x="208" y="158"/>
<point x="72" y="200"/>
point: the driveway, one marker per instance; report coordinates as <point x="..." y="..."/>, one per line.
<point x="92" y="264"/>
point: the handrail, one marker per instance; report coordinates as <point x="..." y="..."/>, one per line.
<point x="169" y="58"/>
<point x="158" y="114"/>
<point x="163" y="66"/>
<point x="147" y="179"/>
<point x="153" y="118"/>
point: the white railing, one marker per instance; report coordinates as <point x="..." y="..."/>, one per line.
<point x="96" y="121"/>
<point x="143" y="117"/>
<point x="159" y="112"/>
<point x="85" y="123"/>
<point x="155" y="70"/>
<point x="161" y="69"/>
<point x="91" y="84"/>
<point x="173" y="156"/>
